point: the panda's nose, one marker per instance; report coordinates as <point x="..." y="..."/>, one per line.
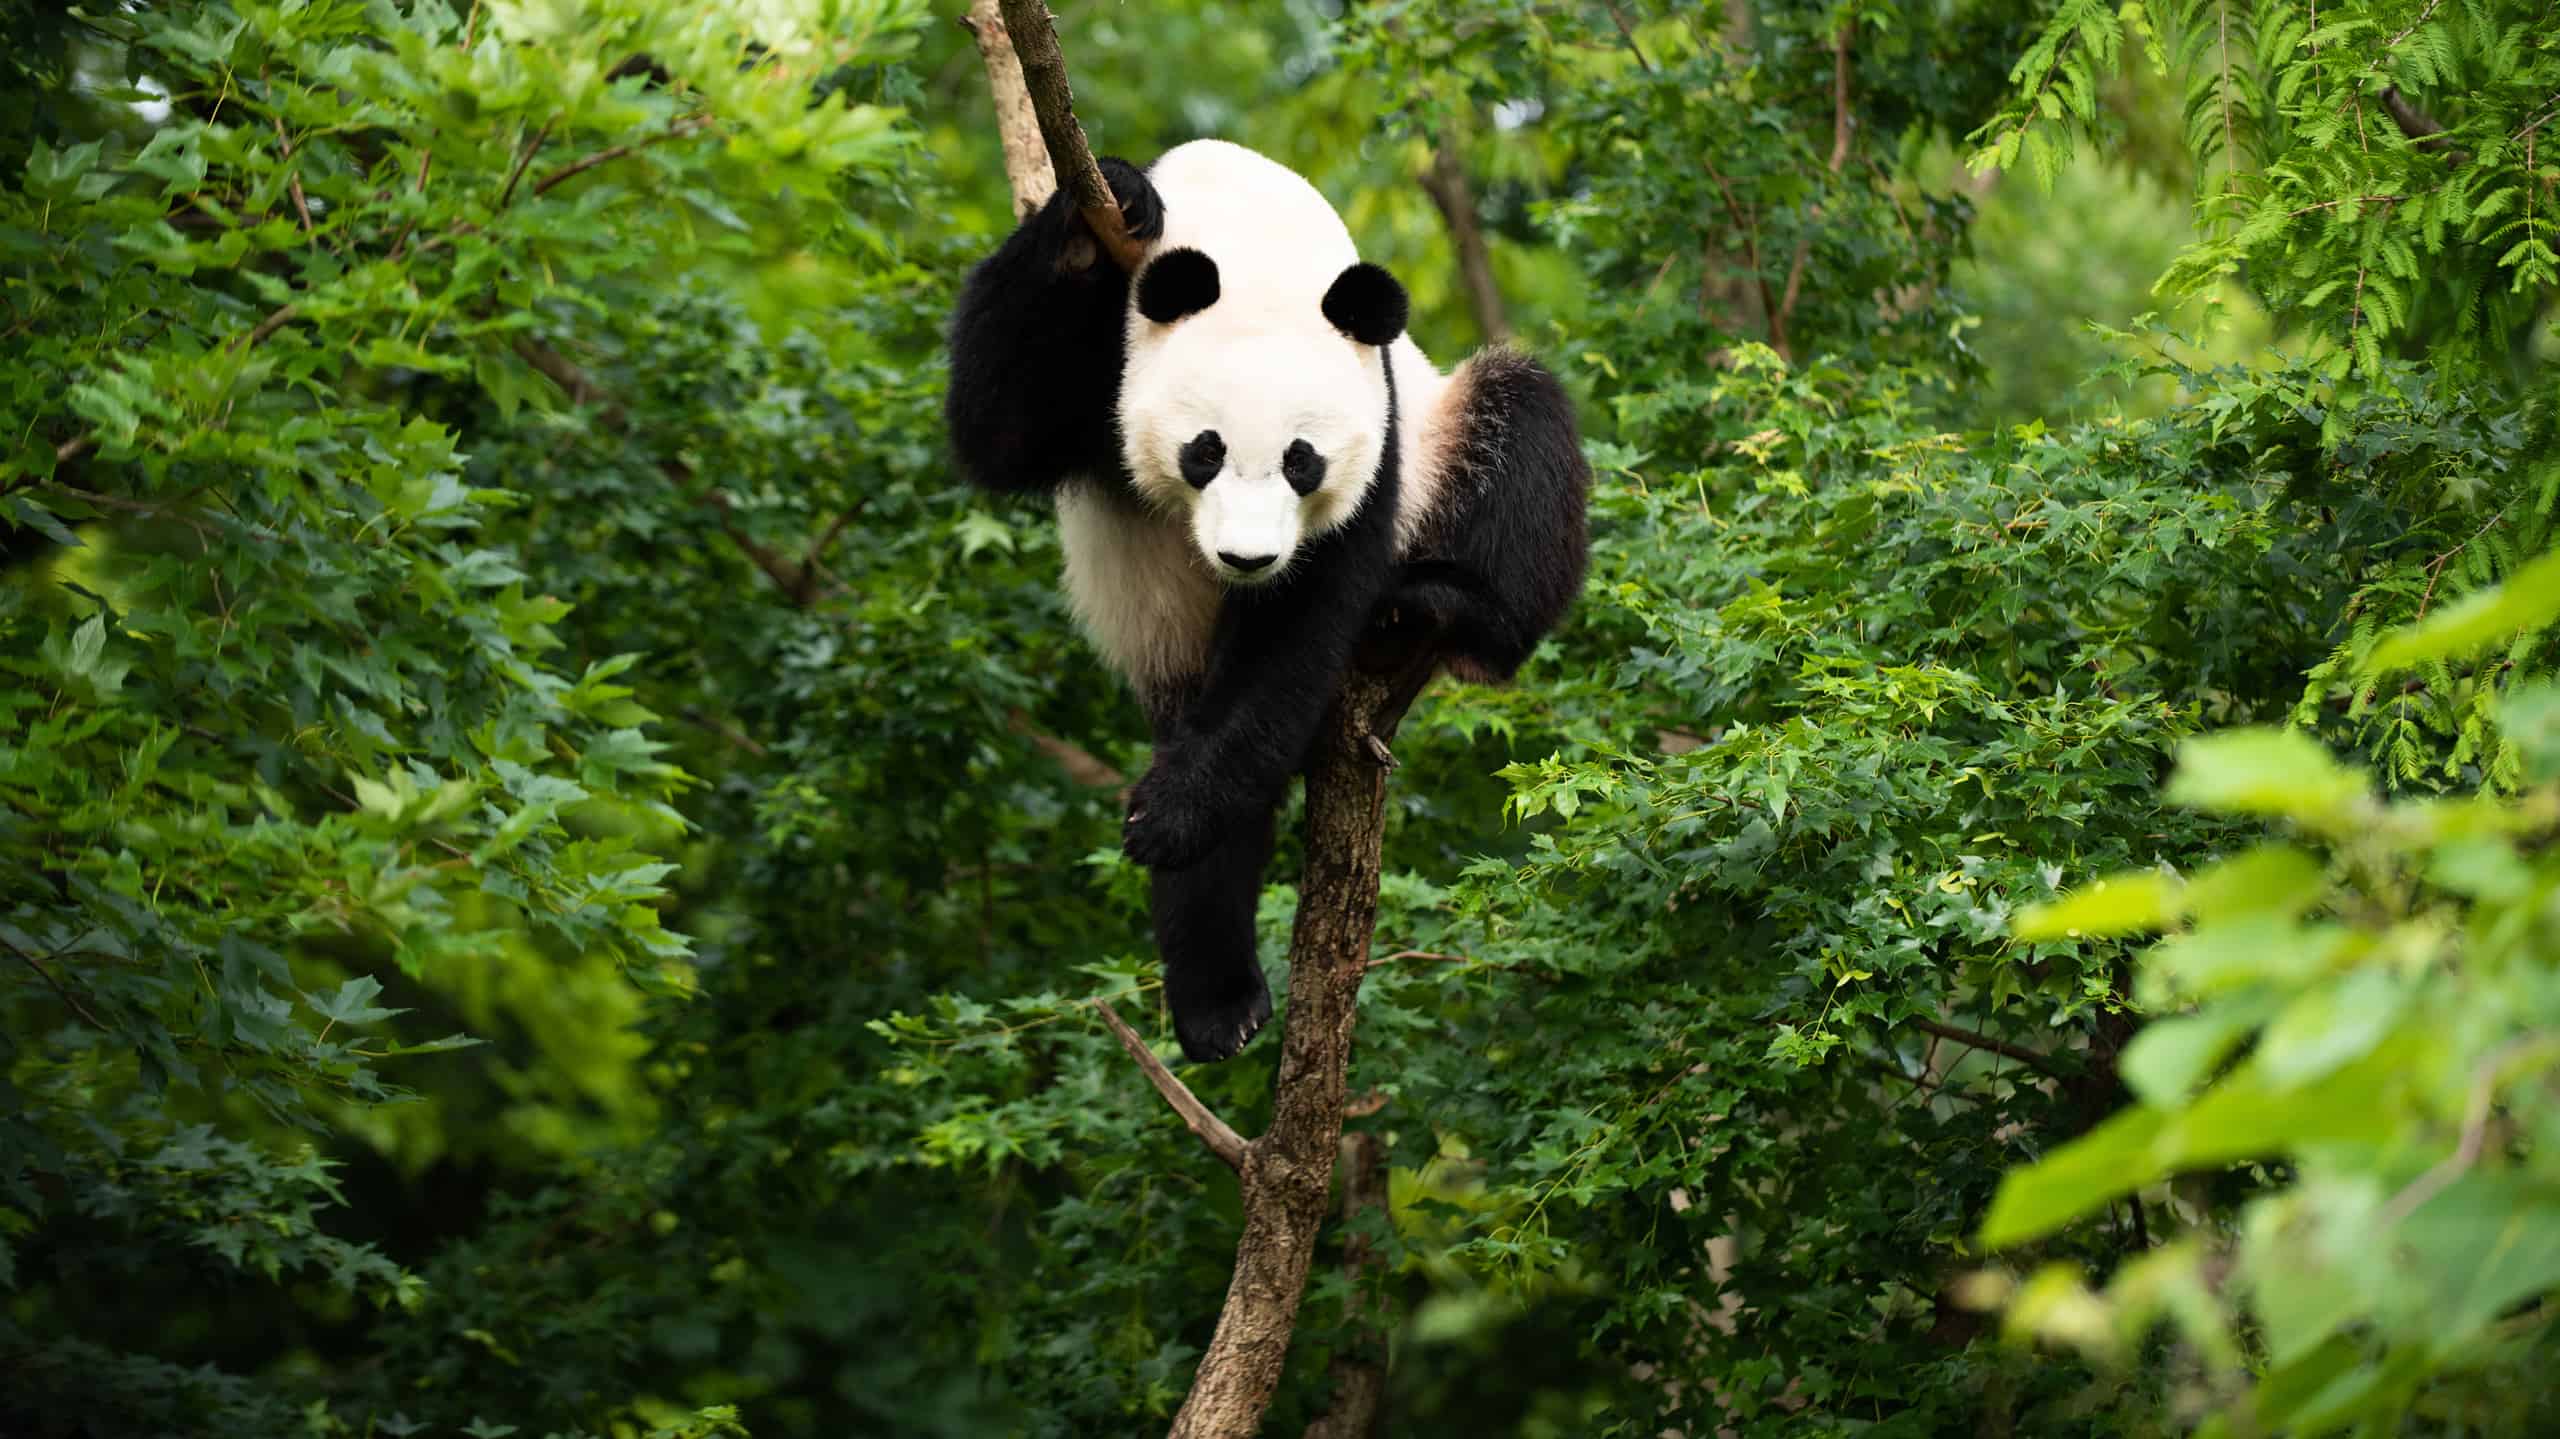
<point x="1244" y="564"/>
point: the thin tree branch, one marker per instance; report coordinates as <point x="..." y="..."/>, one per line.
<point x="2475" y="1134"/>
<point x="1841" y="122"/>
<point x="1750" y="228"/>
<point x="2032" y="1059"/>
<point x="1026" y="155"/>
<point x="1044" y="75"/>
<point x="67" y="997"/>
<point x="1080" y="763"/>
<point x="1627" y="33"/>
<point x="1222" y="1141"/>
<point x="293" y="178"/>
<point x="727" y="731"/>
<point x="275" y="321"/>
<point x="532" y="148"/>
<point x="1446" y="182"/>
<point x="818" y="547"/>
<point x="689" y="125"/>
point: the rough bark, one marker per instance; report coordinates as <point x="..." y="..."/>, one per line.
<point x="1026" y="154"/>
<point x="1044" y="76"/>
<point x="1360" y="1368"/>
<point x="1288" y="1171"/>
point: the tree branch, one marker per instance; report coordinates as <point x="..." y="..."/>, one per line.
<point x="1287" y="1171"/>
<point x="677" y="131"/>
<point x="1223" y="1142"/>
<point x="1044" y="75"/>
<point x="1627" y="33"/>
<point x="67" y="997"/>
<point x="1840" y="126"/>
<point x="1026" y="154"/>
<point x="1079" y="762"/>
<point x="2032" y="1059"/>
<point x="1359" y="1366"/>
<point x="1446" y="183"/>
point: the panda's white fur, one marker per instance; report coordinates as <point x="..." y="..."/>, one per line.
<point x="1262" y="368"/>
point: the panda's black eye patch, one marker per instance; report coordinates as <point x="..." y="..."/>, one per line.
<point x="1202" y="458"/>
<point x="1302" y="467"/>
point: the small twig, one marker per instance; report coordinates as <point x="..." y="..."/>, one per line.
<point x="73" y="449"/>
<point x="1044" y="75"/>
<point x="2466" y="1153"/>
<point x="2549" y="108"/>
<point x="1840" y="126"/>
<point x="2412" y="28"/>
<point x="531" y="149"/>
<point x="2032" y="1059"/>
<point x="775" y="567"/>
<point x="293" y="179"/>
<point x="726" y="731"/>
<point x="690" y="124"/>
<point x="818" y="547"/>
<point x="1213" y="1131"/>
<point x="2349" y="200"/>
<point x="268" y="326"/>
<point x="1080" y="763"/>
<point x="56" y="986"/>
<point x="1750" y="229"/>
<point x="1627" y="33"/>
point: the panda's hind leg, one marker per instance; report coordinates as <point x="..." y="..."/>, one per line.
<point x="1205" y="932"/>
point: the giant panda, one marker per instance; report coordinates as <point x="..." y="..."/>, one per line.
<point x="1250" y="461"/>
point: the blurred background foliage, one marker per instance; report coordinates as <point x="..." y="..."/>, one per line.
<point x="554" y="859"/>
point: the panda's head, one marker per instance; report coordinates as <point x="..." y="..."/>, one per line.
<point x="1259" y="418"/>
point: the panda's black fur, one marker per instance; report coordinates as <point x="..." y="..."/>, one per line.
<point x="1038" y="349"/>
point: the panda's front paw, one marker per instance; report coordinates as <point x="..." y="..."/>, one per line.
<point x="1174" y="820"/>
<point x="1141" y="208"/>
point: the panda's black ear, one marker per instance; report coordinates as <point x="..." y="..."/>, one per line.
<point x="1177" y="283"/>
<point x="1367" y="304"/>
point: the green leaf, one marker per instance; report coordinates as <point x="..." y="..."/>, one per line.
<point x="352" y="1002"/>
<point x="2122" y="904"/>
<point x="2170" y="1057"/>
<point x="2529" y="600"/>
<point x="2075" y="1180"/>
<point x="2282" y="773"/>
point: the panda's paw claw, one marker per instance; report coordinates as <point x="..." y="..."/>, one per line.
<point x="1214" y="1030"/>
<point x="1169" y="826"/>
<point x="1141" y="208"/>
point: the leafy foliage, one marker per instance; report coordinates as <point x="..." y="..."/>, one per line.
<point x="2367" y="1014"/>
<point x="2379" y="170"/>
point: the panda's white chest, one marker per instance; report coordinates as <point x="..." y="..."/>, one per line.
<point x="1138" y="588"/>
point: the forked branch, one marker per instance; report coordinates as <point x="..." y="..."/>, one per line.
<point x="1044" y="75"/>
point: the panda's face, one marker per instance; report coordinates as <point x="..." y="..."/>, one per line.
<point x="1263" y="426"/>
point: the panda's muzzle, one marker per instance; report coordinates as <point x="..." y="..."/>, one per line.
<point x="1245" y="564"/>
